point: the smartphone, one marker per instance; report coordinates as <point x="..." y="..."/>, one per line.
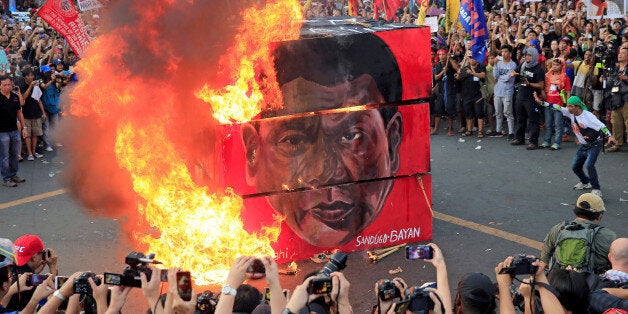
<point x="59" y="281"/>
<point x="319" y="285"/>
<point x="163" y="276"/>
<point x="256" y="267"/>
<point x="402" y="306"/>
<point x="419" y="252"/>
<point x="113" y="279"/>
<point x="266" y="295"/>
<point x="184" y="285"/>
<point x="35" y="280"/>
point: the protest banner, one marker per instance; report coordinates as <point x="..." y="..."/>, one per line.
<point x="63" y="17"/>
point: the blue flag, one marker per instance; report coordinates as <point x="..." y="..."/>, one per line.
<point x="474" y="22"/>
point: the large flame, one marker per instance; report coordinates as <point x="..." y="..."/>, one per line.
<point x="139" y="135"/>
<point x="242" y="100"/>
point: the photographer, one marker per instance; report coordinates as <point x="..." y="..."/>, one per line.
<point x="549" y="301"/>
<point x="238" y="274"/>
<point x="339" y="296"/>
<point x="386" y="305"/>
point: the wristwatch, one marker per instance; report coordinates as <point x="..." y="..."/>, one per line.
<point x="228" y="290"/>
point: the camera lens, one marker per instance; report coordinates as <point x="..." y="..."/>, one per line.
<point x="338" y="261"/>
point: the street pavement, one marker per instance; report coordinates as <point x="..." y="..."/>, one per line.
<point x="490" y="199"/>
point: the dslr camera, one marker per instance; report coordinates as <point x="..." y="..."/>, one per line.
<point x="136" y="263"/>
<point x="522" y="265"/>
<point x="81" y="283"/>
<point x="387" y="290"/>
<point x="206" y="303"/>
<point x="420" y="301"/>
<point x="321" y="284"/>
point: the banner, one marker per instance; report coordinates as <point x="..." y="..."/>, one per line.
<point x="63" y="17"/>
<point x="86" y="5"/>
<point x="609" y="9"/>
<point x="452" y="13"/>
<point x="473" y="21"/>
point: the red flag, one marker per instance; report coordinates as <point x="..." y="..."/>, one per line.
<point x="63" y="17"/>
<point x="376" y="5"/>
<point x="353" y="7"/>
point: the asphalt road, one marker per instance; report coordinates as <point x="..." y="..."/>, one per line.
<point x="491" y="200"/>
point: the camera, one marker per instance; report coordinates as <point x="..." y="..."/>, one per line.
<point x="420" y="300"/>
<point x="387" y="290"/>
<point x="522" y="265"/>
<point x="206" y="303"/>
<point x="136" y="263"/>
<point x="35" y="280"/>
<point x="256" y="269"/>
<point x="322" y="283"/>
<point x="81" y="283"/>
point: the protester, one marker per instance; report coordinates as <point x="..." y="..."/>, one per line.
<point x="10" y="137"/>
<point x="587" y="129"/>
<point x="581" y="243"/>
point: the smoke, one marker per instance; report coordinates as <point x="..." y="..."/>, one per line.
<point x="143" y="68"/>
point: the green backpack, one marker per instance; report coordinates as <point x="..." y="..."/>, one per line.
<point x="574" y="246"/>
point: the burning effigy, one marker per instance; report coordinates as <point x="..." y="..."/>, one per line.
<point x="271" y="137"/>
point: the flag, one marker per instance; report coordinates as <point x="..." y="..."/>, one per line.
<point x="63" y="17"/>
<point x="452" y="13"/>
<point x="389" y="6"/>
<point x="422" y="12"/>
<point x="353" y="7"/>
<point x="473" y="21"/>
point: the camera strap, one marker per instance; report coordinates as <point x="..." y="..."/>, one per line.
<point x="546" y="286"/>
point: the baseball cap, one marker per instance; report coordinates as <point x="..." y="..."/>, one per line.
<point x="591" y="202"/>
<point x="477" y="287"/>
<point x="7" y="252"/>
<point x="26" y="246"/>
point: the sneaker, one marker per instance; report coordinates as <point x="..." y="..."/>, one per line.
<point x="517" y="142"/>
<point x="462" y="130"/>
<point x="597" y="192"/>
<point x="544" y="145"/>
<point x="613" y="148"/>
<point x="9" y="183"/>
<point x="17" y="179"/>
<point x="38" y="155"/>
<point x="532" y="146"/>
<point x="582" y="186"/>
<point x="554" y="146"/>
<point x="30" y="157"/>
<point x="511" y="137"/>
<point x="49" y="149"/>
<point x="497" y="134"/>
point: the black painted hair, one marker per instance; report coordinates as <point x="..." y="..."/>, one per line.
<point x="335" y="60"/>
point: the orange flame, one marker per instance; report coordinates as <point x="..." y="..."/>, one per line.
<point x="121" y="105"/>
<point x="197" y="231"/>
<point x="242" y="100"/>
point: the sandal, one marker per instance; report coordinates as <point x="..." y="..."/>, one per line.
<point x="468" y="133"/>
<point x="480" y="134"/>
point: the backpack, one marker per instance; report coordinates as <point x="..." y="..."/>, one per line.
<point x="574" y="246"/>
<point x="597" y="282"/>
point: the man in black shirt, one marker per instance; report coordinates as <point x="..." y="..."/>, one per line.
<point x="33" y="111"/>
<point x="10" y="141"/>
<point x="531" y="79"/>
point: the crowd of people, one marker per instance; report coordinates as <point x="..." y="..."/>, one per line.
<point x="583" y="268"/>
<point x="36" y="64"/>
